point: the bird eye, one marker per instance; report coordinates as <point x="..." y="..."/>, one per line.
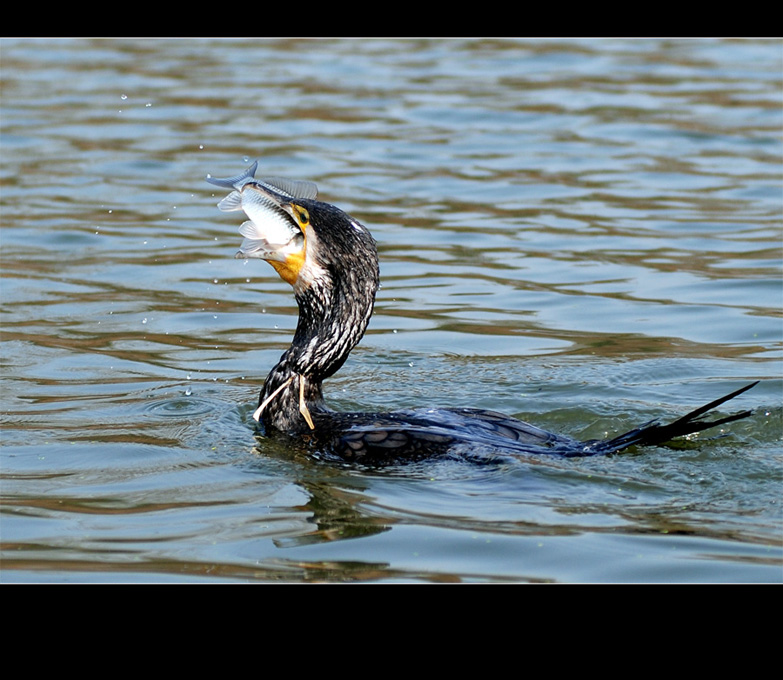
<point x="304" y="216"/>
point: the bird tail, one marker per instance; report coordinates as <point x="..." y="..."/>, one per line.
<point x="656" y="433"/>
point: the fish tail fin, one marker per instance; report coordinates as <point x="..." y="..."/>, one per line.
<point x="232" y="182"/>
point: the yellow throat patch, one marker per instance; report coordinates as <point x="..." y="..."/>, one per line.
<point x="291" y="267"/>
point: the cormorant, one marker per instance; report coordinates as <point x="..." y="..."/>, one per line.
<point x="331" y="261"/>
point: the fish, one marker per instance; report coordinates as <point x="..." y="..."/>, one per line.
<point x="270" y="232"/>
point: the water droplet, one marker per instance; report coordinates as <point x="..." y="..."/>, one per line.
<point x="123" y="96"/>
<point x="188" y="392"/>
<point x="144" y="320"/>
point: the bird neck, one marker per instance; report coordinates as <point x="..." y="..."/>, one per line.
<point x="333" y="315"/>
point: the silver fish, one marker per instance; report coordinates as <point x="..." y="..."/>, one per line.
<point x="270" y="232"/>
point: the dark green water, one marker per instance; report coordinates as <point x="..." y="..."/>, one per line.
<point x="585" y="234"/>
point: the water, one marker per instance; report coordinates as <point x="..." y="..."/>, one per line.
<point x="582" y="233"/>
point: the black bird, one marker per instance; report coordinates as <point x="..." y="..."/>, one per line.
<point x="331" y="261"/>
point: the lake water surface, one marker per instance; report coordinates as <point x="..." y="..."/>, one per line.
<point x="585" y="234"/>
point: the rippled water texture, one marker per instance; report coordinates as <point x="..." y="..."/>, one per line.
<point x="585" y="234"/>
